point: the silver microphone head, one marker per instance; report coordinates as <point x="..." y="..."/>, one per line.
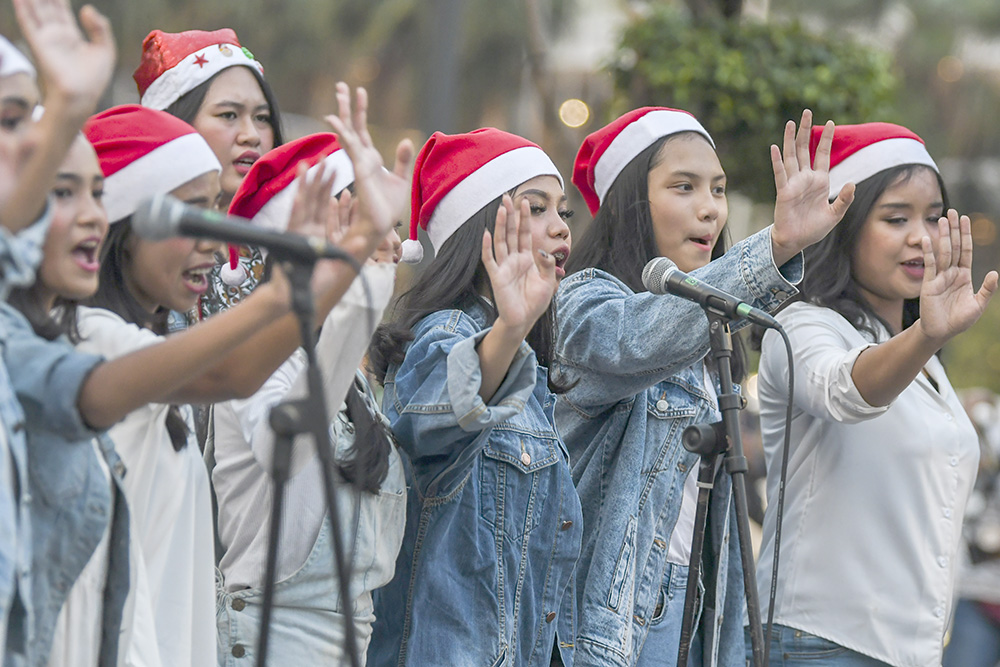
<point x="654" y="275"/>
<point x="157" y="218"/>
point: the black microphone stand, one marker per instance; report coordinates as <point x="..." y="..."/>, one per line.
<point x="709" y="441"/>
<point x="288" y="419"/>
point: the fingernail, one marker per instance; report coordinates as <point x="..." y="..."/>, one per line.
<point x="543" y="254"/>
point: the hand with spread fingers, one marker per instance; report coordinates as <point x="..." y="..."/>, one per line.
<point x="523" y="279"/>
<point x="75" y="69"/>
<point x="949" y="303"/>
<point x="381" y="196"/>
<point x="803" y="213"/>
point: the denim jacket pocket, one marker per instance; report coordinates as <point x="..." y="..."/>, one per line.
<point x="513" y="479"/>
<point x="625" y="567"/>
<point x="58" y="476"/>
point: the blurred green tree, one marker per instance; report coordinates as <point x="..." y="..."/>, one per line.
<point x="744" y="79"/>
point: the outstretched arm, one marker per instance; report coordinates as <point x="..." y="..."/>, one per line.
<point x="233" y="354"/>
<point x="74" y="70"/>
<point x="949" y="305"/>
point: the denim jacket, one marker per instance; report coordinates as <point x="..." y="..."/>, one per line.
<point x="635" y="360"/>
<point x="70" y="500"/>
<point x="20" y="254"/>
<point x="493" y="526"/>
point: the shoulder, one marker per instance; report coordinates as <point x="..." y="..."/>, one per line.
<point x="448" y="323"/>
<point x="105" y="331"/>
<point x="592" y="282"/>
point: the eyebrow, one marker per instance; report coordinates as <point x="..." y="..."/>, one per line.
<point x="541" y="193"/>
<point x="239" y="105"/>
<point x="15" y="100"/>
<point x="69" y="177"/>
<point x="693" y="176"/>
<point x="905" y="205"/>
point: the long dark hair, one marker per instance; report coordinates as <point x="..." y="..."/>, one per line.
<point x="829" y="278"/>
<point x="187" y="105"/>
<point x="455" y="279"/>
<point x="620" y="240"/>
<point x="113" y="294"/>
<point x="49" y="325"/>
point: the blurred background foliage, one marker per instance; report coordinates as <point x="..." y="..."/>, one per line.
<point x="555" y="70"/>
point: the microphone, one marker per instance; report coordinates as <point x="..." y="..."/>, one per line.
<point x="162" y="217"/>
<point x="661" y="276"/>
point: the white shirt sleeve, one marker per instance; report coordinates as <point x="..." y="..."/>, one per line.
<point x="340" y="348"/>
<point x="825" y="348"/>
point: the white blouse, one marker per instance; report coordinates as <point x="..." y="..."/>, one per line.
<point x="170" y="503"/>
<point x="244" y="445"/>
<point x="874" y="500"/>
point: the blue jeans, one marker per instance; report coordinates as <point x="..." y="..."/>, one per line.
<point x="663" y="639"/>
<point x="975" y="638"/>
<point x="791" y="648"/>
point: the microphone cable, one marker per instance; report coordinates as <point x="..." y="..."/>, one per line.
<point x="785" y="446"/>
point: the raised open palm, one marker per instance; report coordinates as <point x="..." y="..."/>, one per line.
<point x="803" y="214"/>
<point x="382" y="195"/>
<point x="949" y="303"/>
<point x="523" y="280"/>
<point x="69" y="64"/>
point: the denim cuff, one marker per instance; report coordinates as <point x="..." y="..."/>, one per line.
<point x="465" y="378"/>
<point x="770" y="284"/>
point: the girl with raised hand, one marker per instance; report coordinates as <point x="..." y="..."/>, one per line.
<point x="310" y="610"/>
<point x="212" y="82"/>
<point x="493" y="522"/>
<point x="79" y="518"/>
<point x="145" y="152"/>
<point x="634" y="362"/>
<point x="868" y="558"/>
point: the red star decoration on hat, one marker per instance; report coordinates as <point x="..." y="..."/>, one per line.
<point x="200" y="60"/>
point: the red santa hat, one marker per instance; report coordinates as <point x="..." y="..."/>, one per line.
<point x="267" y="192"/>
<point x="606" y="152"/>
<point x="144" y="152"/>
<point x="457" y="175"/>
<point x="861" y="151"/>
<point x="175" y="63"/>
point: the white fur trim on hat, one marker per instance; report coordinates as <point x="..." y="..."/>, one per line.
<point x="274" y="214"/>
<point x="502" y="173"/>
<point x="12" y="61"/>
<point x="638" y="136"/>
<point x="188" y="74"/>
<point x="873" y="158"/>
<point x="160" y="171"/>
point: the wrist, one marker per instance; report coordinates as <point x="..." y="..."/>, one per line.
<point x="928" y="341"/>
<point x="511" y="331"/>
<point x="782" y="249"/>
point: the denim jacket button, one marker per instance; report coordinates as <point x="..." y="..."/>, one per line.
<point x="239" y="604"/>
<point x="549" y="617"/>
<point x="120" y="469"/>
<point x="662" y="405"/>
<point x="526" y="458"/>
<point x="239" y="651"/>
<point x="566" y="525"/>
